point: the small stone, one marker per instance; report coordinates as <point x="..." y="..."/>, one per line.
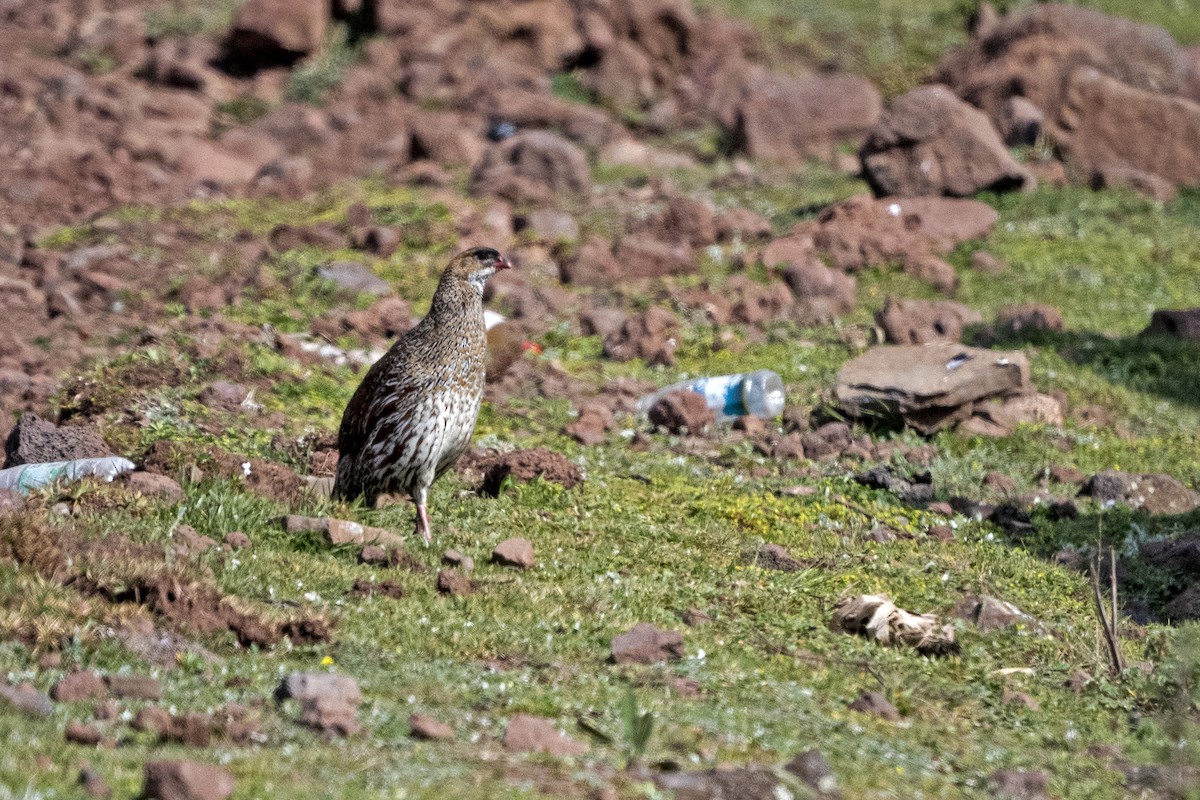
<point x="134" y="687"/>
<point x="153" y="720"/>
<point x="429" y="729"/>
<point x="457" y="559"/>
<point x="1020" y="699"/>
<point x="50" y="661"/>
<point x="1016" y="785"/>
<point x="813" y="769"/>
<point x="775" y="556"/>
<point x="85" y="685"/>
<point x="107" y="710"/>
<point x="152" y="484"/>
<point x="186" y="780"/>
<point x="943" y="533"/>
<point x="236" y="540"/>
<point x="355" y="277"/>
<point x="373" y="554"/>
<point x="515" y="552"/>
<point x="193" y="729"/>
<point x="93" y="783"/>
<point x="80" y="733"/>
<point x="875" y="704"/>
<point x="339" y="532"/>
<point x="1000" y="482"/>
<point x="454" y="583"/>
<point x="526" y="733"/>
<point x="647" y="644"/>
<point x="1067" y="475"/>
<point x="329" y="702"/>
<point x="694" y="617"/>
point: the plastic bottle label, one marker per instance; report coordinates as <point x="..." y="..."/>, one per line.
<point x="723" y="394"/>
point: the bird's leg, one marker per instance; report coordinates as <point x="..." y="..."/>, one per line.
<point x="423" y="517"/>
<point x="423" y="525"/>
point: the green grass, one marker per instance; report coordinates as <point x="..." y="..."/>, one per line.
<point x="897" y="43"/>
<point x="651" y="534"/>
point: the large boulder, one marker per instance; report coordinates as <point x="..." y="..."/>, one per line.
<point x="532" y="166"/>
<point x="1103" y="122"/>
<point x="930" y="387"/>
<point x="1030" y="54"/>
<point x="929" y="142"/>
<point x="787" y="119"/>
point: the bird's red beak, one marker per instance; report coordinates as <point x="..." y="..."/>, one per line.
<point x="502" y="263"/>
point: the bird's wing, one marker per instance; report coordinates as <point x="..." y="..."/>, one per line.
<point x="366" y="408"/>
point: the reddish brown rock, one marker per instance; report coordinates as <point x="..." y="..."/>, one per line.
<point x="515" y="552"/>
<point x="741" y="224"/>
<point x="77" y="686"/>
<point x="186" y="780"/>
<point x="682" y="412"/>
<point x="650" y="336"/>
<point x="236" y="540"/>
<point x="1182" y="324"/>
<point x="134" y="687"/>
<point x="80" y="733"/>
<point x="93" y="783"/>
<point x="876" y="705"/>
<point x="685" y="220"/>
<point x="924" y="321"/>
<point x="1103" y="123"/>
<point x="1017" y="785"/>
<point x="423" y="726"/>
<point x="1030" y="54"/>
<point x="151" y="484"/>
<point x="526" y="465"/>
<point x="153" y="720"/>
<point x="277" y="31"/>
<point x="1155" y="493"/>
<point x="328" y="702"/>
<point x="642" y="256"/>
<point x="1028" y="317"/>
<point x="931" y="143"/>
<point x="34" y="440"/>
<point x="936" y="272"/>
<point x="26" y="699"/>
<point x="1148" y="184"/>
<point x="532" y="166"/>
<point x="647" y="644"/>
<point x="528" y="734"/>
<point x="786" y="119"/>
<point x="193" y="729"/>
<point x="592" y="424"/>
<point x="593" y="265"/>
<point x="453" y="582"/>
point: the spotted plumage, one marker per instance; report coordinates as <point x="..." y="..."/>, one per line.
<point x="413" y="414"/>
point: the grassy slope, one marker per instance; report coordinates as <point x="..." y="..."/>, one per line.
<point x="651" y="534"/>
<point x="896" y="42"/>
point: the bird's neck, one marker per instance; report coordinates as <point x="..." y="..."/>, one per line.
<point x="455" y="300"/>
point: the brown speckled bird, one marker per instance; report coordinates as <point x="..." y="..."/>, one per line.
<point x="413" y="414"/>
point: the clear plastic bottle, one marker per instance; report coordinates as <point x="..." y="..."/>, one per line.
<point x="731" y="396"/>
<point x="34" y="476"/>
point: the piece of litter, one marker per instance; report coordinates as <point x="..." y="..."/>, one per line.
<point x="876" y="617"/>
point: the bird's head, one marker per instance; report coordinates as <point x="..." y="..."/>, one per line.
<point x="475" y="266"/>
